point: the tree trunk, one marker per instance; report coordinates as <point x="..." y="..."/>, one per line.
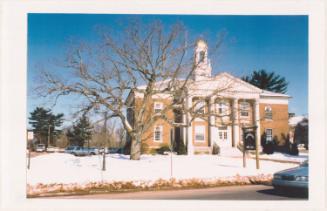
<point x="136" y="148"/>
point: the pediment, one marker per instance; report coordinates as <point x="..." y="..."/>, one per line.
<point x="225" y="82"/>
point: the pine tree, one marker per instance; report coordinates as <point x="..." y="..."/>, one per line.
<point x="267" y="81"/>
<point x="81" y="132"/>
<point x="45" y="125"/>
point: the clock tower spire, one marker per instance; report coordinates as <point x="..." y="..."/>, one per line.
<point x="201" y="62"/>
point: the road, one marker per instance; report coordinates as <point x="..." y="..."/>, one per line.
<point x="250" y="192"/>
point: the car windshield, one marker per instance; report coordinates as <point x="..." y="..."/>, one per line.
<point x="305" y="163"/>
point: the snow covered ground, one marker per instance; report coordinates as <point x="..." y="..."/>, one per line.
<point x="65" y="168"/>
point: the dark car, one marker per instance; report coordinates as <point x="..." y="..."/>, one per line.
<point x="294" y="178"/>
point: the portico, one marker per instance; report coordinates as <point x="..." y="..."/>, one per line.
<point x="225" y="119"/>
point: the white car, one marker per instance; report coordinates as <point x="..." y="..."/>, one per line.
<point x="40" y="148"/>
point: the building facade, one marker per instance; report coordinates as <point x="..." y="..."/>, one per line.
<point x="231" y="103"/>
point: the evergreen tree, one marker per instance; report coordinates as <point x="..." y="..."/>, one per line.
<point x="45" y="125"/>
<point x="267" y="81"/>
<point x="81" y="132"/>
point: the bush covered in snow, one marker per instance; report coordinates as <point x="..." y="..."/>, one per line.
<point x="215" y="149"/>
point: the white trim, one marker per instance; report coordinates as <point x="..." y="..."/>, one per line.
<point x="277" y="100"/>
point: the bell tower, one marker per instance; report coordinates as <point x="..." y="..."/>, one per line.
<point x="202" y="64"/>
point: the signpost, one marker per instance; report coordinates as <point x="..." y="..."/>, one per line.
<point x="30" y="137"/>
<point x="250" y="143"/>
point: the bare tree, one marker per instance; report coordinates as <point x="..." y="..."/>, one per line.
<point x="146" y="61"/>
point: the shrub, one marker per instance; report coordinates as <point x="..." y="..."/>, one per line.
<point x="281" y="146"/>
<point x="144" y="148"/>
<point x="127" y="148"/>
<point x="163" y="148"/>
<point x="268" y="147"/>
<point x="215" y="149"/>
<point x="153" y="151"/>
<point x="293" y="149"/>
<point x="181" y="148"/>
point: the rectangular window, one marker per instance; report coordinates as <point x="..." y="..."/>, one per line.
<point x="268" y="112"/>
<point x="157" y="133"/>
<point x="244" y="109"/>
<point x="222" y="107"/>
<point x="199" y="133"/>
<point x="269" y="135"/>
<point x="158" y="106"/>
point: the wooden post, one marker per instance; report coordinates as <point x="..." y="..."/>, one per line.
<point x="104" y="160"/>
<point x="244" y="158"/>
<point x="171" y="164"/>
<point x="29" y="156"/>
<point x="256" y="149"/>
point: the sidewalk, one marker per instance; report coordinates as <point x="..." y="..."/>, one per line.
<point x="275" y="157"/>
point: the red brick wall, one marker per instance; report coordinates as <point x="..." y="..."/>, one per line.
<point x="148" y="136"/>
<point x="279" y="122"/>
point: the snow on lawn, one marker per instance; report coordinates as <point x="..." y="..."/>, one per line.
<point x="66" y="168"/>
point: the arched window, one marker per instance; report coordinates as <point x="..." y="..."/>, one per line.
<point x="268" y="112"/>
<point x="222" y="107"/>
<point x="199" y="106"/>
<point x="202" y="55"/>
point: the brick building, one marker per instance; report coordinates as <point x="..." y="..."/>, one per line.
<point x="234" y="105"/>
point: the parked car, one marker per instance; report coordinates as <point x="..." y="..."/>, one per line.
<point x="83" y="151"/>
<point x="115" y="150"/>
<point x="51" y="149"/>
<point x="40" y="148"/>
<point x="71" y="149"/>
<point x="294" y="178"/>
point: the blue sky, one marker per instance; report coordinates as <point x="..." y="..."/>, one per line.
<point x="274" y="43"/>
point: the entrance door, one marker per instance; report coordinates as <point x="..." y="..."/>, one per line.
<point x="223" y="136"/>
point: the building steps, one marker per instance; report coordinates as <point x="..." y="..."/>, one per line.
<point x="202" y="150"/>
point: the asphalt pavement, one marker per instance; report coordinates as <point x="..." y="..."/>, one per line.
<point x="248" y="192"/>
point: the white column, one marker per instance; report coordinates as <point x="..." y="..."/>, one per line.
<point x="236" y="130"/>
<point x="190" y="147"/>
<point x="212" y="120"/>
<point x="257" y="120"/>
